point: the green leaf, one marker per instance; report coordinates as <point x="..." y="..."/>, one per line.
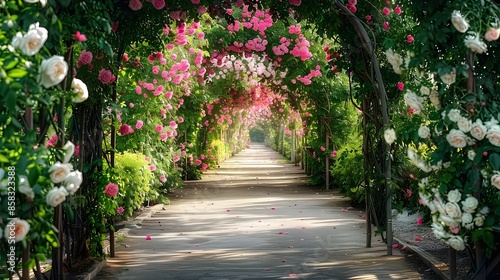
<point x="4" y="159"/>
<point x="17" y="73"/>
<point x="10" y="63"/>
<point x="495" y="161"/>
<point x="447" y="178"/>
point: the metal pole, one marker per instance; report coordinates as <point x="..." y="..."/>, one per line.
<point x="292" y="156"/>
<point x="327" y="163"/>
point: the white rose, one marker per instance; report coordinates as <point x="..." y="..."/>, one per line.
<point x="56" y="196"/>
<point x="18" y="227"/>
<point x="495" y="180"/>
<point x="466" y="218"/>
<point x="459" y="22"/>
<point x="389" y="136"/>
<point x="471" y="154"/>
<point x="434" y="98"/>
<point x="449" y="78"/>
<point x="478" y="130"/>
<point x="33" y="41"/>
<point x="456" y="242"/>
<point x="80" y="90"/>
<point x="59" y="171"/>
<point x="395" y="60"/>
<point x="493" y="135"/>
<point x="490" y="123"/>
<point x="479" y="221"/>
<point x="425" y="90"/>
<point x="73" y="181"/>
<point x="456" y="138"/>
<point x="424" y="132"/>
<point x="52" y="71"/>
<point x="16" y="40"/>
<point x="414" y="101"/>
<point x="438" y="230"/>
<point x="453" y="210"/>
<point x="43" y="2"/>
<point x="454" y="196"/>
<point x="454" y="115"/>
<point x="464" y="124"/>
<point x="469" y="205"/>
<point x="69" y="147"/>
<point x="439" y="205"/>
<point x="474" y="42"/>
<point x="25" y="188"/>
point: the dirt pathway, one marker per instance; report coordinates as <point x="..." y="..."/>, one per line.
<point x="254" y="218"/>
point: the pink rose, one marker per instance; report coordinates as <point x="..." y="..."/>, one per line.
<point x="120" y="210"/>
<point x="386" y="11"/>
<point x="386" y="25"/>
<point x="106" y="77"/>
<point x="135" y="5"/>
<point x="401" y="86"/>
<point x="111" y="190"/>
<point x="409" y="39"/>
<point x="125" y="129"/>
<point x="158" y="4"/>
<point x="85" y="58"/>
<point x="80" y="37"/>
<point x="295" y="2"/>
<point x="397" y="10"/>
<point x="492" y="34"/>
<point x="139" y="124"/>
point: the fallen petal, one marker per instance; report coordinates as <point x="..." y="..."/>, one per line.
<point x="267" y="269"/>
<point x="273" y="208"/>
<point x="403" y="248"/>
<point x="395" y="245"/>
<point x="418" y="239"/>
<point x="283" y="260"/>
<point x="148" y="237"/>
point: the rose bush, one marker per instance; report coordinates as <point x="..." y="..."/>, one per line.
<point x="457" y="122"/>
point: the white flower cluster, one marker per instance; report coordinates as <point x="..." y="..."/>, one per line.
<point x="452" y="214"/>
<point x="62" y="173"/>
<point x="459" y="138"/>
<point x="53" y="70"/>
<point x="473" y="40"/>
<point x="248" y="68"/>
<point x="395" y="60"/>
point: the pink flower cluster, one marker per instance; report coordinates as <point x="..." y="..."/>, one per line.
<point x="307" y="79"/>
<point x="282" y="48"/>
<point x="301" y="48"/>
<point x="351" y="5"/>
<point x="294" y="29"/>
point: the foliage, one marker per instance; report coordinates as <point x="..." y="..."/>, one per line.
<point x="134" y="177"/>
<point x="346" y="174"/>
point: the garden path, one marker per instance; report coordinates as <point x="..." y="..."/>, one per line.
<point x="254" y="218"/>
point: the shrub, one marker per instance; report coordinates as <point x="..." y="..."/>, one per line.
<point x="134" y="179"/>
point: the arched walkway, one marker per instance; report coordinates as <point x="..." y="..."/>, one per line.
<point x="253" y="218"/>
